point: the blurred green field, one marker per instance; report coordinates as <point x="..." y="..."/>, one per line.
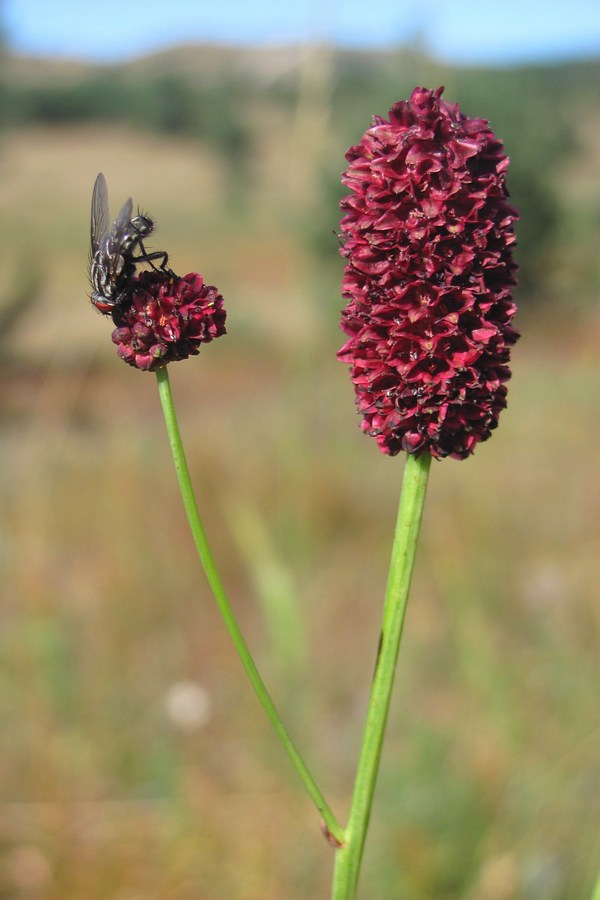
<point x="112" y="786"/>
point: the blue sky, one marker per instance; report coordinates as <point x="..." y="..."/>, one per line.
<point x="462" y="31"/>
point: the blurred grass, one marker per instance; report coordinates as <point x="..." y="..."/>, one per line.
<point x="489" y="786"/>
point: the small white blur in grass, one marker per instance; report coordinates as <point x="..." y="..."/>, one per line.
<point x="188" y="706"/>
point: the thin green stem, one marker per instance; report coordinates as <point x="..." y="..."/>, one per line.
<point x="349" y="857"/>
<point x="596" y="894"/>
<point x="331" y="825"/>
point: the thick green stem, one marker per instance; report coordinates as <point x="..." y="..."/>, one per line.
<point x="349" y="856"/>
<point x="331" y="825"/>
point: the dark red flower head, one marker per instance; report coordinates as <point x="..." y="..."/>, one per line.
<point x="428" y="235"/>
<point x="167" y="319"/>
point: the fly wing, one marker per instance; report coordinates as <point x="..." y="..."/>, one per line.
<point x="118" y="239"/>
<point x="122" y="224"/>
<point x="100" y="220"/>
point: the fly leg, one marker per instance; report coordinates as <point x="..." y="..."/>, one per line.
<point x="146" y="257"/>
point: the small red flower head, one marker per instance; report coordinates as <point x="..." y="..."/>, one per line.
<point x="428" y="235"/>
<point x="167" y="319"/>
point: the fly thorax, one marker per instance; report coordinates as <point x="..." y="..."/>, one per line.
<point x="143" y="225"/>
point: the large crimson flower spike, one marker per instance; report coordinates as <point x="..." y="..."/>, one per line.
<point x="428" y="234"/>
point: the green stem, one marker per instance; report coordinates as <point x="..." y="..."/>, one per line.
<point x="349" y="856"/>
<point x="331" y="825"/>
<point x="596" y="894"/>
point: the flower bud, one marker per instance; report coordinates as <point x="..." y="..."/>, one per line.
<point x="167" y="319"/>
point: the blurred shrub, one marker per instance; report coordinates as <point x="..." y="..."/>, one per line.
<point x="167" y="103"/>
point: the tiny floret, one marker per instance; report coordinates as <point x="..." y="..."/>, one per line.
<point x="428" y="235"/>
<point x="166" y="319"/>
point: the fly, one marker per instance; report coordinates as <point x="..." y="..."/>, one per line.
<point x="113" y="259"/>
